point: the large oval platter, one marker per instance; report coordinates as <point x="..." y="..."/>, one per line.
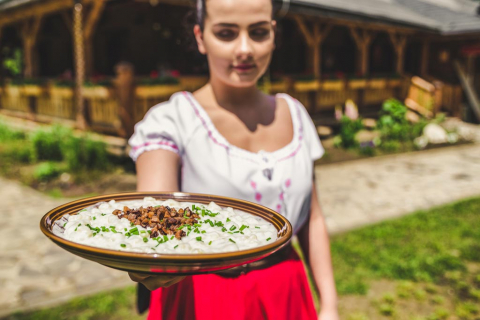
<point x="175" y="264"/>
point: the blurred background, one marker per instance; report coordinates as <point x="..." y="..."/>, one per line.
<point x="393" y="87"/>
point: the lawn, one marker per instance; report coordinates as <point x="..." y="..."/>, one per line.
<point x="422" y="266"/>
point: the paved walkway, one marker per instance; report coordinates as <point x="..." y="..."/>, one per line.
<point x="34" y="272"/>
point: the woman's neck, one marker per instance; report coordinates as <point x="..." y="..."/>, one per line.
<point x="234" y="99"/>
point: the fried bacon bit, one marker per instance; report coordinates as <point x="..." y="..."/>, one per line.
<point x="162" y="220"/>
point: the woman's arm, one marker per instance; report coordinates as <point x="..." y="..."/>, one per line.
<point x="314" y="240"/>
<point x="157" y="170"/>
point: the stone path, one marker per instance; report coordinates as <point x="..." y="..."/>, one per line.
<point x="353" y="194"/>
<point x="34" y="272"/>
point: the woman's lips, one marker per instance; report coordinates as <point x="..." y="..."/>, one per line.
<point x="244" y="67"/>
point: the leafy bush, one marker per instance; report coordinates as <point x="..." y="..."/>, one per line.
<point x="47" y="171"/>
<point x="8" y="134"/>
<point x="393" y="124"/>
<point x="47" y="144"/>
<point x="348" y="130"/>
<point x="18" y="151"/>
<point x="84" y="153"/>
<point x="59" y="144"/>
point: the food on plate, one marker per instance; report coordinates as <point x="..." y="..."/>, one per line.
<point x="166" y="227"/>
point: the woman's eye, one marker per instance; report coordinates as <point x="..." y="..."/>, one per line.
<point x="259" y="33"/>
<point x="226" y="34"/>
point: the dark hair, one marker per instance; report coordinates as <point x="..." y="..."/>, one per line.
<point x="201" y="11"/>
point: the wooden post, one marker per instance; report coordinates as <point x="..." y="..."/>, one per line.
<point x="314" y="41"/>
<point x="363" y="38"/>
<point x="79" y="65"/>
<point x="125" y="95"/>
<point x="425" y="59"/>
<point x="90" y="24"/>
<point x="399" y="42"/>
<point x="29" y="33"/>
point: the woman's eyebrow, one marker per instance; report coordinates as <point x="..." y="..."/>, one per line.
<point x="257" y="24"/>
<point x="233" y="25"/>
<point x="224" y="24"/>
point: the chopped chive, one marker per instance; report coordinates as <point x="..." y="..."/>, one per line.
<point x="229" y="239"/>
<point x="145" y="239"/>
<point x="233" y="228"/>
<point x="175" y="247"/>
<point x="269" y="239"/>
<point x="123" y="245"/>
<point x="257" y="227"/>
<point x="228" y="220"/>
<point x="94" y="218"/>
<point x="210" y="243"/>
<point x="203" y="231"/>
<point x="104" y="214"/>
<point x="65" y="224"/>
<point x="224" y="229"/>
<point x="243" y="227"/>
<point x="149" y="231"/>
<point x="171" y="238"/>
<point x="199" y="238"/>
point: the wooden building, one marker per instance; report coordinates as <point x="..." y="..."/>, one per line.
<point x="328" y="51"/>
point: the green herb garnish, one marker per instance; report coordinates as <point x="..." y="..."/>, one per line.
<point x="229" y="239"/>
<point x="123" y="245"/>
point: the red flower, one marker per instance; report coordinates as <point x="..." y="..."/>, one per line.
<point x="154" y="74"/>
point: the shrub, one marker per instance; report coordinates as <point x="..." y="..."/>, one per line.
<point x="394" y="126"/>
<point x="47" y="171"/>
<point x="8" y="134"/>
<point x="84" y="153"/>
<point x="47" y="144"/>
<point x="59" y="144"/>
<point x="348" y="130"/>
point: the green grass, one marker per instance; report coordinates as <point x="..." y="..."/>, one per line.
<point x="112" y="305"/>
<point x="420" y="247"/>
<point x="420" y="253"/>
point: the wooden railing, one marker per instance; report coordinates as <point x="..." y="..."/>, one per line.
<point x="52" y="103"/>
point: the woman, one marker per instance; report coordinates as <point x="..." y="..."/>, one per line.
<point x="230" y="139"/>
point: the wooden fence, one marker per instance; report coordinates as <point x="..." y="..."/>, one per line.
<point x="52" y="103"/>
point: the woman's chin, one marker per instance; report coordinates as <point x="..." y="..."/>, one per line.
<point x="243" y="81"/>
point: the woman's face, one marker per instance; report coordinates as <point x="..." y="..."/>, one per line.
<point x="238" y="39"/>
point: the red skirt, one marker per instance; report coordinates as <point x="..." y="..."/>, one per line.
<point x="280" y="292"/>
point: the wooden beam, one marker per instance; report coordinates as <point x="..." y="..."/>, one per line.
<point x="362" y="38"/>
<point x="29" y="34"/>
<point x="304" y="29"/>
<point x="78" y="41"/>
<point x="67" y="20"/>
<point x="424" y="63"/>
<point x="314" y="39"/>
<point x="90" y="24"/>
<point x="399" y="42"/>
<point x="93" y="17"/>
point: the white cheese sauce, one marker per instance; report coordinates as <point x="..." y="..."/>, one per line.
<point x="224" y="230"/>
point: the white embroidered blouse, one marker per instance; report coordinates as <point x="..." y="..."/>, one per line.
<point x="280" y="180"/>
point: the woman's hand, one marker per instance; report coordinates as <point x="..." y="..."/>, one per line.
<point x="328" y="314"/>
<point x="155" y="282"/>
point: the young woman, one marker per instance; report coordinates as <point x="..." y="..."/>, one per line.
<point x="228" y="138"/>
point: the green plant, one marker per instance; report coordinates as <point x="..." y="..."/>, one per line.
<point x="439" y="314"/>
<point x="84" y="153"/>
<point x="47" y="171"/>
<point x="158" y="81"/>
<point x="47" y="144"/>
<point x="348" y="130"/>
<point x="14" y="63"/>
<point x="386" y="309"/>
<point x="394" y="126"/>
<point x="8" y="134"/>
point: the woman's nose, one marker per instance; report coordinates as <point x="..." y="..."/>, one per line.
<point x="244" y="48"/>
